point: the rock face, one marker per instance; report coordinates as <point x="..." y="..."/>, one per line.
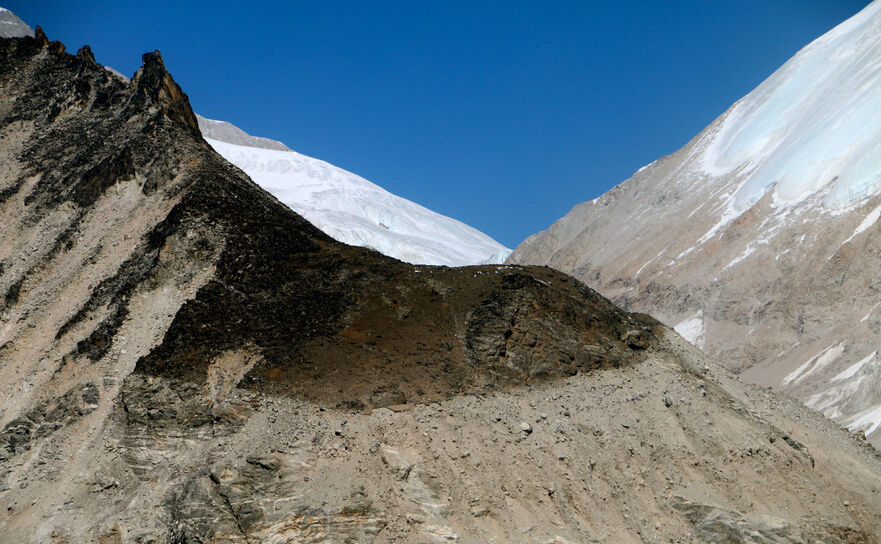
<point x="184" y="359"/>
<point x="757" y="240"/>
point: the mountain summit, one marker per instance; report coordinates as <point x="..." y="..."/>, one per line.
<point x="13" y="27"/>
<point x="759" y="239"/>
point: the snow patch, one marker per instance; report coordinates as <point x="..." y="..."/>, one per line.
<point x="811" y="125"/>
<point x="797" y="372"/>
<point x="867" y="421"/>
<point x="728" y="216"/>
<point x="865" y="317"/>
<point x="828" y="401"/>
<point x="646" y="166"/>
<point x="870" y="220"/>
<point x="818" y="362"/>
<point x="852" y="370"/>
<point x="746" y="253"/>
<point x="650" y="261"/>
<point x="686" y="252"/>
<point x="692" y="329"/>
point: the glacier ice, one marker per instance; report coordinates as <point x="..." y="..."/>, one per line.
<point x="355" y="211"/>
<point x="812" y="125"/>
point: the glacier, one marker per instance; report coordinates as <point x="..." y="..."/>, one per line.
<point x="811" y="126"/>
<point x="350" y="208"/>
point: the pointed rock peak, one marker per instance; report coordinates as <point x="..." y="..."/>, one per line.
<point x="85" y="55"/>
<point x="56" y="47"/>
<point x="153" y="61"/>
<point x="40" y="36"/>
<point x="153" y="79"/>
<point x="154" y="83"/>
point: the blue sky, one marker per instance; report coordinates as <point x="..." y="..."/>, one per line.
<point x="501" y="114"/>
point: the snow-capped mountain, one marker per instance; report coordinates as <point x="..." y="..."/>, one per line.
<point x="348" y="207"/>
<point x="13" y="27"/>
<point x="759" y="239"/>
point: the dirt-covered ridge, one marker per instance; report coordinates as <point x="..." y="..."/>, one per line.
<point x="185" y="359"/>
<point x="277" y="285"/>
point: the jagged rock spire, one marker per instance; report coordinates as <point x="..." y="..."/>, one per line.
<point x="154" y="83"/>
<point x="40" y="36"/>
<point x="85" y="54"/>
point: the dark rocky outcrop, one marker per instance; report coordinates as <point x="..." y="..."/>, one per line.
<point x="308" y="305"/>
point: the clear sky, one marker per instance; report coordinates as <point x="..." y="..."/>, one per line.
<point x="501" y="114"/>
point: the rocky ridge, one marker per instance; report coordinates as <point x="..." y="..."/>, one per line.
<point x="185" y="359"/>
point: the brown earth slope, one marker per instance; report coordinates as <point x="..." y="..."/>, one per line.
<point x="184" y="359"/>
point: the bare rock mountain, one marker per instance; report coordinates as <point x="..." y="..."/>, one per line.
<point x="185" y="359"/>
<point x="759" y="239"/>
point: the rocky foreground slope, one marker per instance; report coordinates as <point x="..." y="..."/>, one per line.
<point x="184" y="359"/>
<point x="758" y="240"/>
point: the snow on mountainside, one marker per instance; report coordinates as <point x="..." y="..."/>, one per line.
<point x="231" y="134"/>
<point x="759" y="240"/>
<point x="348" y="207"/>
<point x="13" y="27"/>
<point x="812" y="125"/>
